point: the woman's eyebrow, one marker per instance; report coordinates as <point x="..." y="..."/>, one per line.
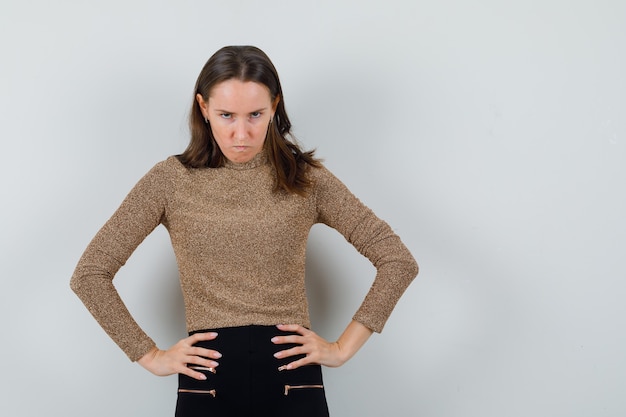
<point x="232" y="112"/>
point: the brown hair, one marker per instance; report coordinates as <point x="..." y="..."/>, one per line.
<point x="248" y="63"/>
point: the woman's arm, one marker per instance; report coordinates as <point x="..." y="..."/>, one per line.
<point x="373" y="238"/>
<point x="395" y="267"/>
<point x="141" y="211"/>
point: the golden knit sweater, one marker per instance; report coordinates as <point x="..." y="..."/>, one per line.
<point x="240" y="248"/>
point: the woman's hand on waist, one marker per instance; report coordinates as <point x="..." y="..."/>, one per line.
<point x="180" y="358"/>
<point x="316" y="349"/>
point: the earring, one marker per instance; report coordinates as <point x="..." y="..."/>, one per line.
<point x="206" y="120"/>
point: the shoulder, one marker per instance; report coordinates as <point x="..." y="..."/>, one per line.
<point x="326" y="187"/>
<point x="162" y="176"/>
<point x="171" y="164"/>
<point x="319" y="174"/>
<point x="322" y="178"/>
<point x="170" y="167"/>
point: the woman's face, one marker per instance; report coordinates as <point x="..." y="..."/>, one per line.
<point x="239" y="113"/>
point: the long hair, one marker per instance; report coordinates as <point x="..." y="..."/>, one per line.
<point x="248" y="63"/>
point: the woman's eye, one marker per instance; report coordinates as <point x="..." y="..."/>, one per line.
<point x="226" y="115"/>
<point x="255" y="115"/>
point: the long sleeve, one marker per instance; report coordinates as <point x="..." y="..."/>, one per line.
<point x="395" y="266"/>
<point x="141" y="211"/>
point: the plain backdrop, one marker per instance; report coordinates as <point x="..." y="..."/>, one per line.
<point x="490" y="135"/>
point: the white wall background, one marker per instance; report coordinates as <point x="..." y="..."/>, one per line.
<point x="490" y="134"/>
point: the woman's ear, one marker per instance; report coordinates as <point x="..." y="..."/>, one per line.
<point x="203" y="105"/>
<point x="275" y="104"/>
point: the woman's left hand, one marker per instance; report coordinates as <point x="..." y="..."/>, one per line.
<point x="317" y="350"/>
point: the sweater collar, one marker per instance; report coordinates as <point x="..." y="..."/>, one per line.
<point x="258" y="160"/>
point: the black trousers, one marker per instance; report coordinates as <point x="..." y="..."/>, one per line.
<point x="248" y="383"/>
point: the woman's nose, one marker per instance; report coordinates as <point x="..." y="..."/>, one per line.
<point x="240" y="129"/>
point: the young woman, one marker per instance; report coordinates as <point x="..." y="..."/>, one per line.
<point x="238" y="205"/>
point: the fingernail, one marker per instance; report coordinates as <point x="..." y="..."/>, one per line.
<point x="217" y="355"/>
<point x="203" y="376"/>
<point x="274" y="339"/>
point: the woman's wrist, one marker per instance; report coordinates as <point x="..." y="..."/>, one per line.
<point x="148" y="357"/>
<point x="351" y="340"/>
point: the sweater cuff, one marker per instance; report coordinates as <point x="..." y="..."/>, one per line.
<point x="137" y="351"/>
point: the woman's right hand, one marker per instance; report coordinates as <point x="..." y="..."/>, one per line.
<point x="175" y="359"/>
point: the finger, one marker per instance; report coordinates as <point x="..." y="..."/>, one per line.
<point x="294" y="339"/>
<point x="296" y="364"/>
<point x="201" y="361"/>
<point x="204" y="368"/>
<point x="298" y="350"/>
<point x="293" y="328"/>
<point x="204" y="352"/>
<point x="200" y="351"/>
<point x="199" y="337"/>
<point x="192" y="373"/>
